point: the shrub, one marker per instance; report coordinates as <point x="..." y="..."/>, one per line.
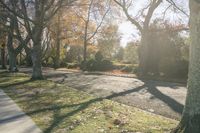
<point x="98" y="56"/>
<point x="106" y="65"/>
<point x="175" y="69"/>
<point x="181" y="69"/>
<point x="72" y="65"/>
<point x="127" y="69"/>
<point x="63" y="64"/>
<point x="83" y="66"/>
<point x="130" y="69"/>
<point x="92" y="65"/>
<point x="119" y="66"/>
<point x="97" y="64"/>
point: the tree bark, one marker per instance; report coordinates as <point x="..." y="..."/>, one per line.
<point x="37" y="65"/>
<point x="28" y="60"/>
<point x="28" y="57"/>
<point x="190" y="122"/>
<point x="148" y="55"/>
<point x="58" y="34"/>
<point x="12" y="61"/>
<point x="85" y="51"/>
<point x="143" y="55"/>
<point x="85" y="41"/>
<point x="11" y="51"/>
<point x="3" y="57"/>
<point x="36" y="53"/>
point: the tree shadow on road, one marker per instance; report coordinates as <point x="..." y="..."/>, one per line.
<point x="173" y="104"/>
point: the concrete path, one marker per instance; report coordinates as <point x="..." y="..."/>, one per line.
<point x="13" y="119"/>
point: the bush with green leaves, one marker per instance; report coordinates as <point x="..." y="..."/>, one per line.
<point x="98" y="56"/>
<point x="72" y="65"/>
<point x="175" y="69"/>
<point x="129" y="69"/>
<point x="97" y="64"/>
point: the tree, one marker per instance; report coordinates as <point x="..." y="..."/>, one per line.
<point x="14" y="46"/>
<point x="58" y="40"/>
<point x="3" y="47"/>
<point x="55" y="31"/>
<point x="109" y="41"/>
<point x="119" y="55"/>
<point x="2" y="38"/>
<point x="131" y="52"/>
<point x="96" y="11"/>
<point x="165" y="44"/>
<point x="142" y="27"/>
<point x="17" y="38"/>
<point x="3" y="52"/>
<point x="190" y="122"/>
<point x="142" y="21"/>
<point x="35" y="14"/>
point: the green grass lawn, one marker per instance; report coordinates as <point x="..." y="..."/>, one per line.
<point x="60" y="109"/>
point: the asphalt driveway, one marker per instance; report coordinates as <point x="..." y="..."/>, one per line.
<point x="164" y="98"/>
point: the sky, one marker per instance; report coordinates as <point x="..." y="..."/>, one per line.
<point x="130" y="33"/>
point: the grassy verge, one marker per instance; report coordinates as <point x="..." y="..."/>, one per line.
<point x="59" y="109"/>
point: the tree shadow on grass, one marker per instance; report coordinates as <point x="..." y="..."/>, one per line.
<point x="4" y="72"/>
<point x="56" y="75"/>
<point x="15" y="84"/>
<point x="58" y="118"/>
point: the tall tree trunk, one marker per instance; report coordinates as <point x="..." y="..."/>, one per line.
<point x="28" y="60"/>
<point x="3" y="57"/>
<point x="58" y="30"/>
<point x="143" y="54"/>
<point x="85" y="42"/>
<point x="12" y="61"/>
<point x="148" y="55"/>
<point x="85" y="51"/>
<point x="37" y="62"/>
<point x="28" y="57"/>
<point x="57" y="61"/>
<point x="190" y="122"/>
<point x="36" y="54"/>
<point x="11" y="52"/>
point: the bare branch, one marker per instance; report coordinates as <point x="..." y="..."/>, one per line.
<point x="150" y="12"/>
<point x="99" y="25"/>
<point x="131" y="19"/>
<point x="178" y="8"/>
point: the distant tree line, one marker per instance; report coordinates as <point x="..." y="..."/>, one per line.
<point x="41" y="33"/>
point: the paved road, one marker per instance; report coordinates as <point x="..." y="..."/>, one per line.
<point x="12" y="119"/>
<point x="162" y="98"/>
